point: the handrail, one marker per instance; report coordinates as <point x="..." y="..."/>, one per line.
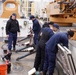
<point x="70" y="58"/>
<point x="64" y="56"/>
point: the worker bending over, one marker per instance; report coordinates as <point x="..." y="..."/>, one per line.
<point x="51" y="49"/>
<point x="47" y="32"/>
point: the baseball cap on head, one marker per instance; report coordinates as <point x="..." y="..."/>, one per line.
<point x="14" y="14"/>
<point x="56" y="25"/>
<point x="32" y="17"/>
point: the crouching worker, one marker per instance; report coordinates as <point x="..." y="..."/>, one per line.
<point x="47" y="32"/>
<point x="51" y="49"/>
<point x="12" y="27"/>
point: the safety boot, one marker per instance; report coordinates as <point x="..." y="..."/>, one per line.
<point x="14" y="47"/>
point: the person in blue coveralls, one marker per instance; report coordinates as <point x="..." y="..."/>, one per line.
<point x="54" y="27"/>
<point x="51" y="49"/>
<point x="43" y="26"/>
<point x="36" y="28"/>
<point x="12" y="27"/>
<point x="47" y="32"/>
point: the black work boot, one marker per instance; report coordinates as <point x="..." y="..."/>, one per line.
<point x="14" y="48"/>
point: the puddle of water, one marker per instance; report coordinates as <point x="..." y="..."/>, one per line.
<point x="17" y="67"/>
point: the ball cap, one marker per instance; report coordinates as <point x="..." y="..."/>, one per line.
<point x="32" y="17"/>
<point x="14" y="14"/>
<point x="56" y="25"/>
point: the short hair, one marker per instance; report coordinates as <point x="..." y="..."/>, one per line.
<point x="71" y="33"/>
<point x="51" y="23"/>
<point x="45" y="25"/>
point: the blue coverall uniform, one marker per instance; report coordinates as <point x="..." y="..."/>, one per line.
<point x="36" y="30"/>
<point x="51" y="50"/>
<point x="40" y="52"/>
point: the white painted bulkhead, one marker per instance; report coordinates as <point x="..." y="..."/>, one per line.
<point x="24" y="24"/>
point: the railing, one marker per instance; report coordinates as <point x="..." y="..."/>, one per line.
<point x="65" y="60"/>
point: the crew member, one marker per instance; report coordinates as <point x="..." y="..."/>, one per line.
<point x="47" y="32"/>
<point x="51" y="50"/>
<point x="43" y="26"/>
<point x="36" y="28"/>
<point x="12" y="27"/>
<point x="53" y="26"/>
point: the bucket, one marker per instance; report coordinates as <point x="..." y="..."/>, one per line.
<point x="3" y="69"/>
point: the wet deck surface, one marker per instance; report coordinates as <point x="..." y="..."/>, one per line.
<point x="22" y="66"/>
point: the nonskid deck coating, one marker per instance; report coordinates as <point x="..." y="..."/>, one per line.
<point x="26" y="64"/>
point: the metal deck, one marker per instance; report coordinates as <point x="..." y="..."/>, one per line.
<point x="22" y="66"/>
